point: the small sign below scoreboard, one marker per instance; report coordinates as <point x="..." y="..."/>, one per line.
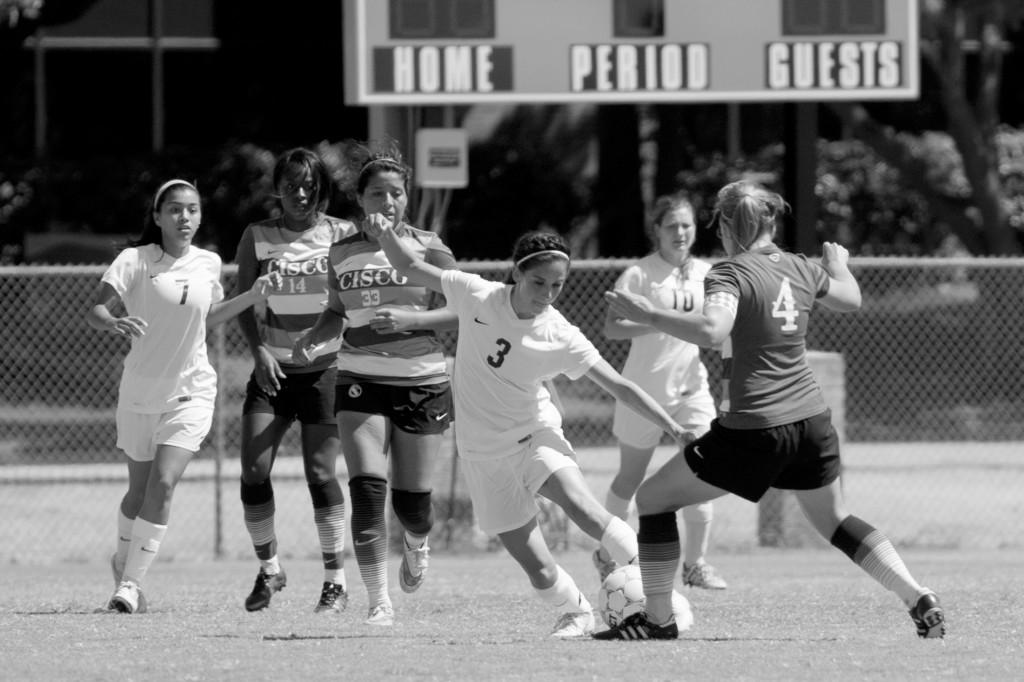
<point x="413" y="52"/>
<point x="442" y="158"/>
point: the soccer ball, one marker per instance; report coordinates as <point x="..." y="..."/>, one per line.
<point x="621" y="595"/>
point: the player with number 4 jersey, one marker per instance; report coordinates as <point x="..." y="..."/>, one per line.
<point x="777" y="431"/>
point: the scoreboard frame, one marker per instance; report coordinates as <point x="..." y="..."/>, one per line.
<point x="453" y="52"/>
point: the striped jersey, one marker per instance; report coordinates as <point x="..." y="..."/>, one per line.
<point x="168" y="365"/>
<point x="770" y="382"/>
<point x="665" y="366"/>
<point x="362" y="280"/>
<point x="501" y="362"/>
<point x="302" y="260"/>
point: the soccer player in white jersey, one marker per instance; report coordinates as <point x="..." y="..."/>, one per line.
<point x="511" y="340"/>
<point x="393" y="396"/>
<point x="776" y="431"/>
<point x="171" y="292"/>
<point x="295" y="244"/>
<point x="670" y="370"/>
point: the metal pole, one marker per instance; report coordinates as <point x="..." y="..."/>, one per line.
<point x="220" y="442"/>
<point x="39" y="66"/>
<point x="156" y="18"/>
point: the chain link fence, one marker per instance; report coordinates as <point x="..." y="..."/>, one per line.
<point x="926" y="383"/>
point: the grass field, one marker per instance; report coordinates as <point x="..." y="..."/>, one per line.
<point x="787" y="615"/>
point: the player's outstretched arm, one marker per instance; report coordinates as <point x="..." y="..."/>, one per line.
<point x="402" y="259"/>
<point x="396" y="319"/>
<point x="705" y="329"/>
<point x="634" y="397"/>
<point x="260" y="290"/>
<point x="843" y="291"/>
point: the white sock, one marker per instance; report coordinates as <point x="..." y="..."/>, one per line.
<point x="616" y="505"/>
<point x="271" y="566"/>
<point x="336" y="576"/>
<point x="124" y="537"/>
<point x="146" y="538"/>
<point x="415" y="541"/>
<point x="697" y="518"/>
<point x="620" y="541"/>
<point x="565" y="595"/>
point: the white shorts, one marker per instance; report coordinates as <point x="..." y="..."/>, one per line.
<point x="504" y="489"/>
<point x="185" y="427"/>
<point x="693" y="414"/>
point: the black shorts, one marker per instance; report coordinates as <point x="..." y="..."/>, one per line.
<point x="803" y="455"/>
<point x="306" y="396"/>
<point x="414" y="409"/>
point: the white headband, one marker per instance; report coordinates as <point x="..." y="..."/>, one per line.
<point x="522" y="260"/>
<point x="171" y="183"/>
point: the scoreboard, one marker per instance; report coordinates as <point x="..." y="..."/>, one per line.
<point x="426" y="52"/>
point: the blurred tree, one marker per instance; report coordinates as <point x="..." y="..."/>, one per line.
<point x="20" y="18"/>
<point x="532" y="173"/>
<point x="978" y="208"/>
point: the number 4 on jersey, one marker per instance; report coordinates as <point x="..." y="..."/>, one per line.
<point x="784" y="307"/>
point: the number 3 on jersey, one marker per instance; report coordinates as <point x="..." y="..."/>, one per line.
<point x="498" y="359"/>
<point x="784" y="307"/>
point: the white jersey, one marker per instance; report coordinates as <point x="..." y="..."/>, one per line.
<point x="665" y="366"/>
<point x="167" y="366"/>
<point x="501" y="362"/>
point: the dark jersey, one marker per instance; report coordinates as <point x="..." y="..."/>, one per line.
<point x="770" y="383"/>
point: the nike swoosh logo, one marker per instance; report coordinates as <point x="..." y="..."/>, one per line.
<point x="696" y="451"/>
<point x="147" y="550"/>
<point x="370" y="536"/>
<point x="479" y="321"/>
<point x="439" y="417"/>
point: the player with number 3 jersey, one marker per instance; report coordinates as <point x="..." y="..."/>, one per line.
<point x="507" y="429"/>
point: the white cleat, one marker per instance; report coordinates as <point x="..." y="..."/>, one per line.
<point x="381" y="615"/>
<point x="415" y="562"/>
<point x="126" y="598"/>
<point x="574" y="624"/>
<point x="117" y="572"/>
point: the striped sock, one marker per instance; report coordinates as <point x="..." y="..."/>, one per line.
<point x="659" y="560"/>
<point x="370" y="534"/>
<point x="870" y="549"/>
<point x="329" y="516"/>
<point x="258" y="507"/>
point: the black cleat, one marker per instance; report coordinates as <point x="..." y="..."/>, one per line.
<point x="264" y="588"/>
<point x="332" y="598"/>
<point x="928" y="617"/>
<point x="638" y="627"/>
